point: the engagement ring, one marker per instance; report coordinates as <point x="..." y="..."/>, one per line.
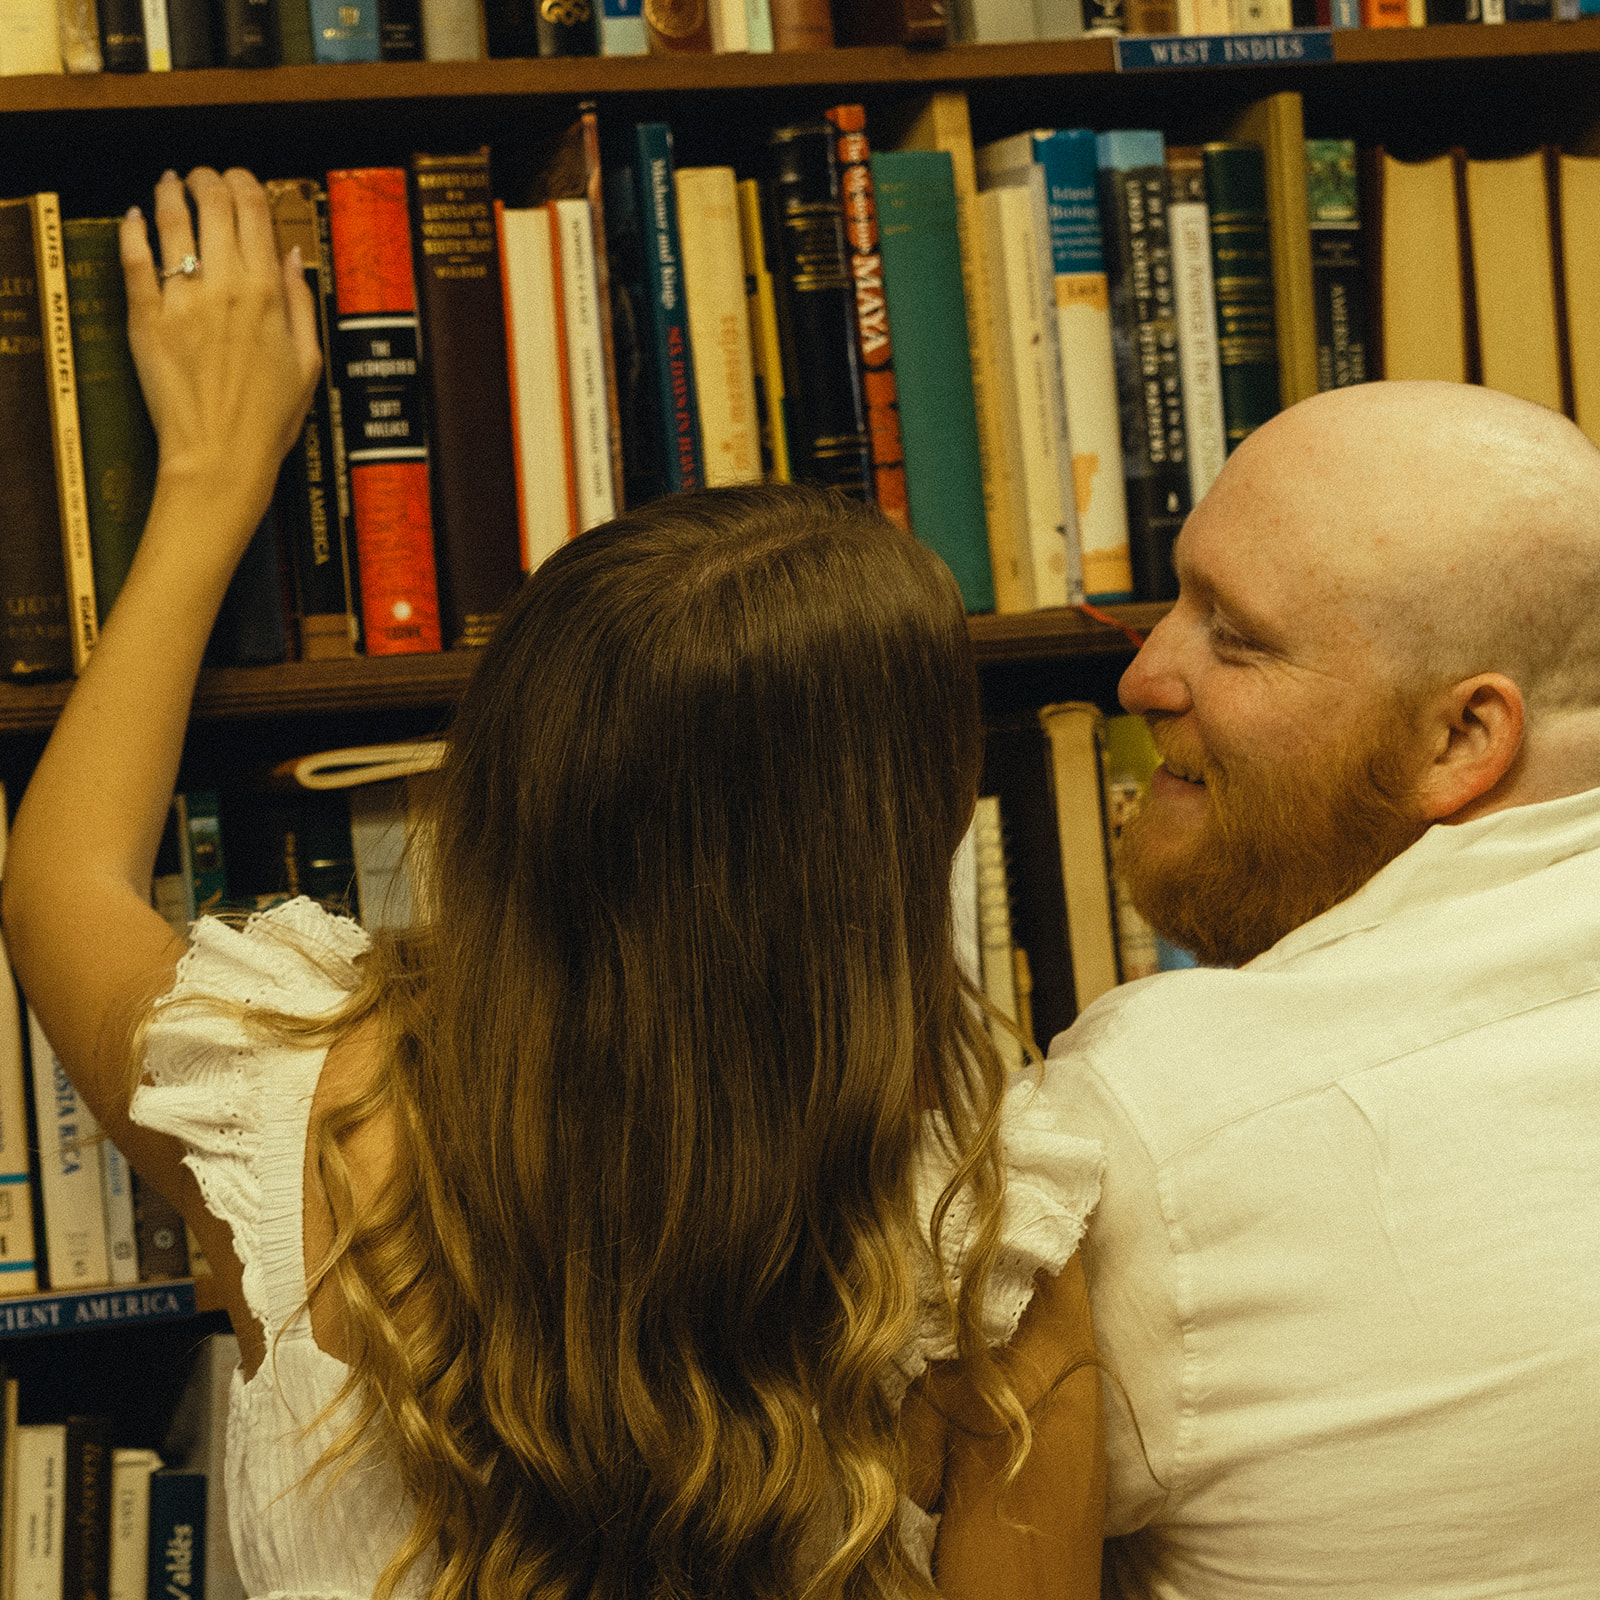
<point x="189" y="267"/>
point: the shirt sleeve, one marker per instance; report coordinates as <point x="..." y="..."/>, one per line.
<point x="231" y="1094"/>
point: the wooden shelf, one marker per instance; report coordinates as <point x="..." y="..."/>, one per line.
<point x="78" y="1311"/>
<point x="387" y="683"/>
<point x="607" y="75"/>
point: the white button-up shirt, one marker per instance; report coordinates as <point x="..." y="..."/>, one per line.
<point x="1346" y="1264"/>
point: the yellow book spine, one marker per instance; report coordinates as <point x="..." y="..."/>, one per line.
<point x="765" y="348"/>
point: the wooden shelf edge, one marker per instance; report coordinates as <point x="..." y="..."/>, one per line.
<point x="386" y="683"/>
<point x="855" y="66"/>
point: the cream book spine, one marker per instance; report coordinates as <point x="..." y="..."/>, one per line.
<point x="586" y="364"/>
<point x="730" y="26"/>
<point x="546" y="503"/>
<point x="29" y="38"/>
<point x="18" y="1269"/>
<point x="452" y="30"/>
<point x="964" y="906"/>
<point x="1579" y="207"/>
<point x="994" y="927"/>
<point x="122" y="1250"/>
<point x="1199" y="360"/>
<point x="130" y="1523"/>
<point x="51" y="264"/>
<point x="41" y="1510"/>
<point x="157" y="36"/>
<point x="719" y="323"/>
<point x="944" y="123"/>
<point x="69" y="1173"/>
<point x="79" y="36"/>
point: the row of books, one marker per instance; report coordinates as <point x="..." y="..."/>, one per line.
<point x="83" y="1517"/>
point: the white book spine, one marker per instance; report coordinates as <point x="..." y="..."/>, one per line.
<point x="378" y="842"/>
<point x="41" y="1510"/>
<point x="994" y="21"/>
<point x="1205" y="16"/>
<point x="586" y="365"/>
<point x="1494" y="10"/>
<point x="994" y="926"/>
<point x="964" y="906"/>
<point x="18" y="1269"/>
<point x="452" y="30"/>
<point x="29" y="40"/>
<point x="69" y="1173"/>
<point x="730" y="27"/>
<point x="538" y="387"/>
<point x="1199" y="361"/>
<point x="130" y="1523"/>
<point x="758" y="25"/>
<point x="120" y="1245"/>
<point x="157" y="41"/>
<point x="1039" y="428"/>
<point x="78" y="36"/>
<point x="719" y="323"/>
<point x="1058" y="19"/>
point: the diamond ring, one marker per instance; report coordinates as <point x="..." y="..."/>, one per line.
<point x="188" y="267"/>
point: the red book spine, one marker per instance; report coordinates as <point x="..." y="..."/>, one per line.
<point x="872" y="313"/>
<point x="377" y="366"/>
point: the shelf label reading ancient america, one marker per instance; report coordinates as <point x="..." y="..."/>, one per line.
<point x="96" y="1308"/>
<point x="1152" y="53"/>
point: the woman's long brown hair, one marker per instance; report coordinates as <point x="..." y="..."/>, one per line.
<point x="658" y="1057"/>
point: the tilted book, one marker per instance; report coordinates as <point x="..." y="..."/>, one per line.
<point x="474" y="474"/>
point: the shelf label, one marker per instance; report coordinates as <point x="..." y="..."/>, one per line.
<point x="1160" y="53"/>
<point x="95" y="1308"/>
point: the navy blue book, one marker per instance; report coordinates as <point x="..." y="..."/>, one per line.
<point x="177" y="1559"/>
<point x="650" y="319"/>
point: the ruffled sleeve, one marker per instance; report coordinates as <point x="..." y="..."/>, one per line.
<point x="237" y="1101"/>
<point x="1052" y="1185"/>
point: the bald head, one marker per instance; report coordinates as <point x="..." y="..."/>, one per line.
<point x="1448" y="529"/>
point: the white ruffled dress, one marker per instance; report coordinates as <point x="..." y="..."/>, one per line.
<point x="241" y="1107"/>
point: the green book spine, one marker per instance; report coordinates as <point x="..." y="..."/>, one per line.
<point x="933" y="371"/>
<point x="119" y="445"/>
<point x="33" y="584"/>
<point x="1241" y="264"/>
<point x="1338" y="270"/>
<point x="296" y="48"/>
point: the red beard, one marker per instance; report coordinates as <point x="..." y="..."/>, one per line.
<point x="1280" y="844"/>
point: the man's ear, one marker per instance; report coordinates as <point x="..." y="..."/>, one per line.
<point x="1475" y="728"/>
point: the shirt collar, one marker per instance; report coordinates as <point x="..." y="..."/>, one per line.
<point x="1451" y="860"/>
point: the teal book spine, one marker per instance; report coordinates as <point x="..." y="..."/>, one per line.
<point x="119" y="444"/>
<point x="916" y="198"/>
<point x="344" y="30"/>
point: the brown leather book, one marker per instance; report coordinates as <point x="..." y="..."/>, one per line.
<point x="678" y="27"/>
<point x="469" y="396"/>
<point x="802" y="25"/>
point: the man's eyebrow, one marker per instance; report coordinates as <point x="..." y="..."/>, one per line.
<point x="1237" y="610"/>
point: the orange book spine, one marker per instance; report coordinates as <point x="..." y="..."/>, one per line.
<point x="377" y="367"/>
<point x="1385" y="14"/>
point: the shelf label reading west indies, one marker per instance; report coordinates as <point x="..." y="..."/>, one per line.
<point x="1159" y="53"/>
<point x="96" y="1308"/>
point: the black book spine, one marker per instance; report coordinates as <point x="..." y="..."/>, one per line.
<point x="399" y="30"/>
<point x="1144" y="334"/>
<point x="809" y="257"/>
<point x="508" y="28"/>
<point x="250" y="630"/>
<point x="122" y="42"/>
<point x="567" y="27"/>
<point x="644" y="467"/>
<point x="250" y="33"/>
<point x="86" y="1536"/>
<point x="1339" y="287"/>
<point x="189" y="30"/>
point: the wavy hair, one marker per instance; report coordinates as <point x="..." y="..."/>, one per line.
<point x="659" y="1055"/>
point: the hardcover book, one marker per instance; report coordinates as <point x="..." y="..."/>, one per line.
<point x="452" y="30"/>
<point x="177" y="1539"/>
<point x="1578" y="213"/>
<point x="587" y="340"/>
<point x="79" y="33"/>
<point x="41" y="1512"/>
<point x="376" y="362"/>
<point x="1189" y="227"/>
<point x="1338" y="267"/>
<point x="157" y="36"/>
<point x="190" y="28"/>
<point x="295" y="48"/>
<point x="86" y="1524"/>
<point x="802" y="25"/>
<point x="469" y="401"/>
<point x="344" y="30"/>
<point x="938" y="416"/>
<point x="29" y="41"/>
<point x="854" y="157"/>
<point x="69" y="1173"/>
<point x="130" y="1524"/>
<point x="122" y="46"/>
<point x="18" y="1267"/>
<point x="816" y="299"/>
<point x="399" y="30"/>
<point x="249" y="33"/>
<point x="1133" y="196"/>
<point x="761" y="302"/>
<point x="1422" y="306"/>
<point x="916" y="22"/>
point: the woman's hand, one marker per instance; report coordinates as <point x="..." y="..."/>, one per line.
<point x="227" y="355"/>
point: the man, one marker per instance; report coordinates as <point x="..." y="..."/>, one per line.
<point x="1346" y="1267"/>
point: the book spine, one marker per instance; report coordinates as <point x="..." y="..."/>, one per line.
<point x="1189" y="224"/>
<point x="719" y="330"/>
<point x="344" y="30"/>
<point x="252" y="626"/>
<point x="202" y="846"/>
<point x="622" y="28"/>
<point x="18" y="1268"/>
<point x="922" y="280"/>
<point x="37" y="639"/>
<point x="586" y="366"/>
<point x="86" y="1519"/>
<point x="121" y="1242"/>
<point x="1151" y="16"/>
<point x="1145" y="335"/>
<point x="1338" y="272"/>
<point x="69" y="1173"/>
<point x="567" y="27"/>
<point x="122" y="41"/>
<point x="376" y="362"/>
<point x="730" y="27"/>
<point x="452" y="30"/>
<point x="1088" y="367"/>
<point x="249" y="33"/>
<point x="996" y="955"/>
<point x="119" y="443"/>
<point x="918" y="22"/>
<point x="79" y="33"/>
<point x="668" y="327"/>
<point x="536" y="363"/>
<point x="766" y="347"/>
<point x="312" y="498"/>
<point x="758" y="26"/>
<point x="55" y="320"/>
<point x="158" y="1235"/>
<point x="469" y="410"/>
<point x="295" y="46"/>
<point x="585" y="134"/>
<point x="828" y="438"/>
<point x="29" y="38"/>
<point x="801" y="25"/>
<point x="177" y="1539"/>
<point x="399" y="30"/>
<point x="1242" y="268"/>
<point x="130" y="1524"/>
<point x="678" y="27"/>
<point x="854" y="157"/>
<point x="157" y="36"/>
<point x="41" y="1512"/>
<point x="1103" y="19"/>
<point x="508" y="29"/>
<point x="189" y="25"/>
